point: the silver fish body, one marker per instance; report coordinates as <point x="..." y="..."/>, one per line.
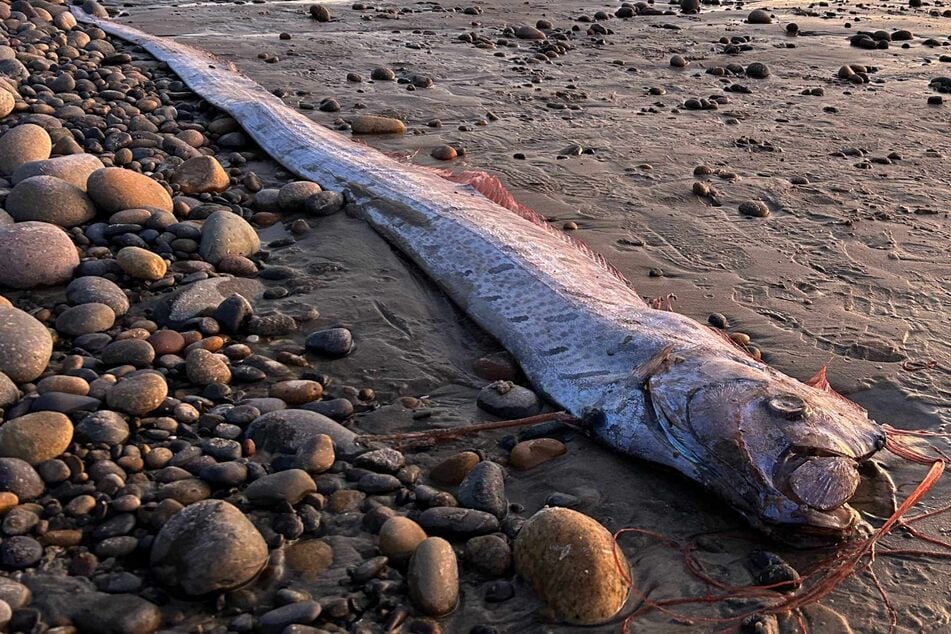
<point x="649" y="383"/>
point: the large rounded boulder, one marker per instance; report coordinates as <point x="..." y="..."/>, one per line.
<point x="225" y="233"/>
<point x="73" y="168"/>
<point x="36" y="437"/>
<point x="208" y="547"/>
<point x="25" y="345"/>
<point x="35" y="254"/>
<point x="115" y="189"/>
<point x="49" y="199"/>
<point x="23" y="144"/>
<point x="573" y="564"/>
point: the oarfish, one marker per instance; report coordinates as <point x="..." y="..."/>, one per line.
<point x="649" y="383"/>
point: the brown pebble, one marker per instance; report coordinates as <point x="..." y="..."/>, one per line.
<point x="531" y="453"/>
<point x="455" y="468"/>
<point x="297" y="392"/>
<point x="444" y="153"/>
<point x="741" y="338"/>
<point x="400" y="536"/>
<point x="754" y="209"/>
<point x="8" y="501"/>
<point x="573" y="564"/>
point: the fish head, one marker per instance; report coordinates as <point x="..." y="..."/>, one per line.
<point x="784" y="454"/>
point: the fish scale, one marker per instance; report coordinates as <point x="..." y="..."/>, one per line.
<point x="582" y="336"/>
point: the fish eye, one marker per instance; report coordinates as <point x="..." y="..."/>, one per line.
<point x="788" y="406"/>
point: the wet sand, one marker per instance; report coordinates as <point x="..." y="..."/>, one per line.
<point x="850" y="269"/>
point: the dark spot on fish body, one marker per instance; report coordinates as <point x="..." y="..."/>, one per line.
<point x="555" y="351"/>
<point x="518" y="319"/>
<point x="407" y="214"/>
<point x="495" y="270"/>
<point x="583" y="375"/>
<point x="561" y="318"/>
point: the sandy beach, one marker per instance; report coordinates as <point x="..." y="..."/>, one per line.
<point x="850" y="269"/>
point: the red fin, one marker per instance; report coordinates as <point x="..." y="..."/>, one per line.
<point x="820" y="381"/>
<point x="493" y="189"/>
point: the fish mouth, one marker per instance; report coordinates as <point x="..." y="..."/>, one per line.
<point x="815" y="529"/>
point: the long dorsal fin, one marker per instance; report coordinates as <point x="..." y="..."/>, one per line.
<point x="493" y="189"/>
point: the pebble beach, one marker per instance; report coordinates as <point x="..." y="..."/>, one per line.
<point x="197" y="347"/>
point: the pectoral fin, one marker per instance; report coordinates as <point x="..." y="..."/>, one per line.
<point x="652" y="366"/>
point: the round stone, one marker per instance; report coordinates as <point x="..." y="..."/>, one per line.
<point x="35" y="254"/>
<point x="138" y="393"/>
<point x="316" y="454"/>
<point x="309" y="557"/>
<point x="63" y="384"/>
<point x="118" y="613"/>
<point x="97" y="290"/>
<point x="21" y="479"/>
<point x="292" y="196"/>
<point x="141" y="263"/>
<point x="209" y="546"/>
<point x="36" y="437"/>
<point x="433" y="577"/>
<point x="134" y="352"/>
<point x="757" y="70"/>
<point x="754" y="208"/>
<point x="204" y="368"/>
<point x="320" y="13"/>
<point x="483" y="489"/>
<point x="289" y="487"/>
<point x="9" y="394"/>
<point x="444" y="153"/>
<point x="507" y="400"/>
<point x="25" y="345"/>
<point x="14" y="594"/>
<point x="332" y="342"/>
<point x="201" y="174"/>
<point x="7" y="103"/>
<point x="226" y="233"/>
<point x="297" y="392"/>
<point x="758" y="16"/>
<point x="74" y="169"/>
<point x="690" y="6"/>
<point x="20" y="552"/>
<point x="382" y="73"/>
<point x="85" y="319"/>
<point x="489" y="555"/>
<point x="286" y="431"/>
<point x="23" y="144"/>
<point x="573" y="564"/>
<point x="325" y="203"/>
<point x="531" y="453"/>
<point x="284" y="618"/>
<point x="369" y="124"/>
<point x="115" y="189"/>
<point x="104" y="426"/>
<point x="49" y="199"/>
<point x="529" y="33"/>
<point x="455" y="468"/>
<point x="400" y="536"/>
<point x="167" y="342"/>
